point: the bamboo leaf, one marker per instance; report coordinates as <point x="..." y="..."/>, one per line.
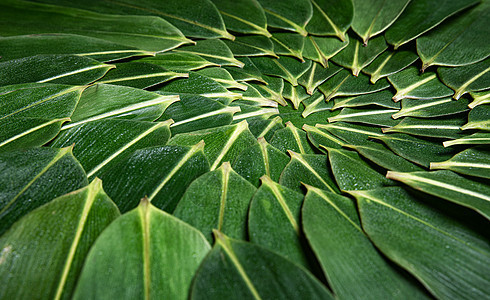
<point x="455" y="250"/>
<point x="420" y="17"/>
<point x="63" y="231"/>
<point x="244" y="16"/>
<point x="289" y="15"/>
<point x="471" y="78"/>
<point x="162" y="252"/>
<point x="410" y="84"/>
<point x="473" y="161"/>
<point x="353" y="266"/>
<point x="331" y="18"/>
<point x="217" y="200"/>
<point x="253" y="273"/>
<point x="26" y="180"/>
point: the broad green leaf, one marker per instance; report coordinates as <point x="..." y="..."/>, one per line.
<point x="244" y="16"/>
<point x="217" y="200"/>
<point x="162" y="252"/>
<point x="274" y="221"/>
<point x="448" y="44"/>
<point x="194" y="112"/>
<point x="321" y="49"/>
<point x="62" y="69"/>
<point x="22" y="46"/>
<point x="161" y="173"/>
<point x="449" y="186"/>
<point x="291" y="138"/>
<point x="331" y="17"/>
<point x="471" y="78"/>
<point x="380" y="155"/>
<point x="352" y="173"/>
<point x="100" y="144"/>
<point x="431" y="107"/>
<point x="356" y="56"/>
<point x="296" y="94"/>
<point x="289" y="44"/>
<point x="273" y="89"/>
<point x="479" y="98"/>
<point x="62" y="232"/>
<point x="139" y="75"/>
<point x="251" y="112"/>
<point x="474" y="162"/>
<point x="223" y="77"/>
<point x="479" y="138"/>
<point x="103" y="101"/>
<point x="321" y="137"/>
<point x="248" y="72"/>
<point x="351" y="263"/>
<point x="253" y="97"/>
<point x="260" y="159"/>
<point x="32" y="114"/>
<point x="265" y="128"/>
<point x="316" y="103"/>
<point x="178" y="62"/>
<point x="354" y="134"/>
<point x="311" y="169"/>
<point x="317" y="75"/>
<point x="382" y="99"/>
<point x="373" y="17"/>
<point x="241" y="270"/>
<point x="221" y="143"/>
<point x="295" y="116"/>
<point x="450" y="259"/>
<point x="421" y="16"/>
<point x="379" y="117"/>
<point x="417" y="150"/>
<point x="201" y="85"/>
<point x="288" y="68"/>
<point x="251" y="45"/>
<point x="143" y="32"/>
<point x="411" y="84"/>
<point x="27" y="180"/>
<point x="389" y="63"/>
<point x="214" y="50"/>
<point x="437" y="128"/>
<point x="292" y="15"/>
<point x="344" y="84"/>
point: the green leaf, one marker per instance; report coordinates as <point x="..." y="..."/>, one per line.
<point x="449" y="186"/>
<point x="352" y="173"/>
<point x="103" y="101"/>
<point x="331" y="17"/>
<point x="321" y="49"/>
<point x="382" y="99"/>
<point x="389" y="63"/>
<point x="62" y="232"/>
<point x="471" y="78"/>
<point x="373" y="17"/>
<point x="291" y="138"/>
<point x="474" y="162"/>
<point x="356" y="57"/>
<point x="296" y="94"/>
<point x="178" y="62"/>
<point x="251" y="45"/>
<point x="274" y="221"/>
<point x="32" y="114"/>
<point x="290" y="69"/>
<point x="241" y="270"/>
<point x="244" y="16"/>
<point x="100" y="144"/>
<point x="455" y="250"/>
<point x="411" y="84"/>
<point x="316" y="75"/>
<point x="161" y="173"/>
<point x="253" y="97"/>
<point x="417" y="150"/>
<point x="352" y="133"/>
<point x="162" y="252"/>
<point x="221" y="143"/>
<point x="27" y="180"/>
<point x="447" y="45"/>
<point x="260" y="159"/>
<point x="289" y="44"/>
<point x="431" y="108"/>
<point x="292" y="15"/>
<point x="62" y="69"/>
<point x="215" y="51"/>
<point x="139" y="75"/>
<point x="21" y="46"/>
<point x="479" y="138"/>
<point x="479" y="98"/>
<point x="143" y="32"/>
<point x="273" y="89"/>
<point x="261" y="128"/>
<point x="379" y="117"/>
<point x="315" y="103"/>
<point x="321" y="137"/>
<point x="437" y="128"/>
<point x="421" y="16"/>
<point x="223" y="77"/>
<point x="353" y="266"/>
<point x="308" y="169"/>
<point x="344" y="84"/>
<point x="217" y="200"/>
